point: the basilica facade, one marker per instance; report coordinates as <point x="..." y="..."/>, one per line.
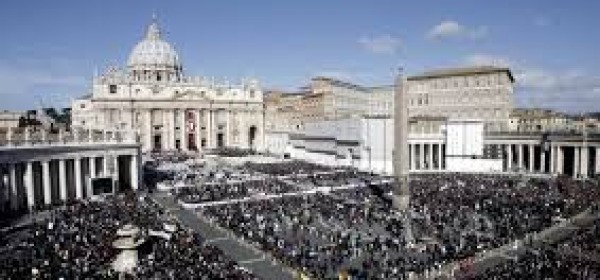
<point x="169" y="110"/>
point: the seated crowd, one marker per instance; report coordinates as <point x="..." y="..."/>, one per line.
<point x="231" y="190"/>
<point x="454" y="217"/>
<point x="576" y="257"/>
<point x="75" y="242"/>
<point x="286" y="168"/>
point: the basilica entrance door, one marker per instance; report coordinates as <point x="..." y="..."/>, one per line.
<point x="157" y="142"/>
<point x="251" y="136"/>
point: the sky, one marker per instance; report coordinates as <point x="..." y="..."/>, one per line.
<point x="49" y="50"/>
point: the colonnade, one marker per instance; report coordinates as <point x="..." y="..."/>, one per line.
<point x="37" y="183"/>
<point x="426" y="156"/>
<point x="582" y="161"/>
<point x="39" y="168"/>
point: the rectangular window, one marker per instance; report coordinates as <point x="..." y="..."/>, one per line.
<point x="112" y="88"/>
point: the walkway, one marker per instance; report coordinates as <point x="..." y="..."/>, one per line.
<point x="510" y="251"/>
<point x="240" y="251"/>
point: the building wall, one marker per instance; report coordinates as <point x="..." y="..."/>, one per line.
<point x="471" y="93"/>
<point x="484" y="93"/>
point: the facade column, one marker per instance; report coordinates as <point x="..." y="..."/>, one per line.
<point x="413" y="157"/>
<point x="165" y="138"/>
<point x="584" y="161"/>
<point x="208" y="126"/>
<point x="147" y="130"/>
<point x="46" y="182"/>
<point x="228" y="127"/>
<point x="62" y="179"/>
<point x="198" y="130"/>
<point x="576" y="161"/>
<point x="213" y="128"/>
<point x="28" y="182"/>
<point x="14" y="191"/>
<point x="172" y="131"/>
<point x="183" y="129"/>
<point x="421" y="156"/>
<point x="509" y="154"/>
<point x="78" y="185"/>
<point x="242" y="133"/>
<point x="531" y="158"/>
<point x="542" y="160"/>
<point x="520" y="159"/>
<point x="439" y="153"/>
<point x="134" y="172"/>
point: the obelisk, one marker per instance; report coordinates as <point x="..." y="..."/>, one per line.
<point x="401" y="192"/>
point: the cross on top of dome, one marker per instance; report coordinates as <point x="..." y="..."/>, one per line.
<point x="153" y="32"/>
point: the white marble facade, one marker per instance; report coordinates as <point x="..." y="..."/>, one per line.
<point x="169" y="110"/>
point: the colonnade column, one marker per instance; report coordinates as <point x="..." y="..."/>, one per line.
<point x="78" y="185"/>
<point x="46" y="182"/>
<point x="509" y="154"/>
<point x="584" y="161"/>
<point x="430" y="156"/>
<point x="597" y="167"/>
<point x="62" y="179"/>
<point x="134" y="172"/>
<point x="105" y="165"/>
<point x="559" y="160"/>
<point x="553" y="155"/>
<point x="520" y="157"/>
<point x="93" y="172"/>
<point x="28" y="182"/>
<point x="542" y="160"/>
<point x="576" y="161"/>
<point x="531" y="158"/>
<point x="14" y="195"/>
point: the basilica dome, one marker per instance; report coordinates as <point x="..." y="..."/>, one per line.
<point x="153" y="53"/>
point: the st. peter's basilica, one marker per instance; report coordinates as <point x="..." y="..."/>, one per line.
<point x="169" y="110"/>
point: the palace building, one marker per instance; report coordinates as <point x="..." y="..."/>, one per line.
<point x="170" y="110"/>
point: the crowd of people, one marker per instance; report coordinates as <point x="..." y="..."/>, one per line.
<point x="453" y="217"/>
<point x="236" y="189"/>
<point x="350" y="228"/>
<point x="75" y="242"/>
<point x="286" y="168"/>
<point x="577" y="257"/>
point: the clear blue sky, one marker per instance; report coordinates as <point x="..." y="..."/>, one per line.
<point x="49" y="49"/>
